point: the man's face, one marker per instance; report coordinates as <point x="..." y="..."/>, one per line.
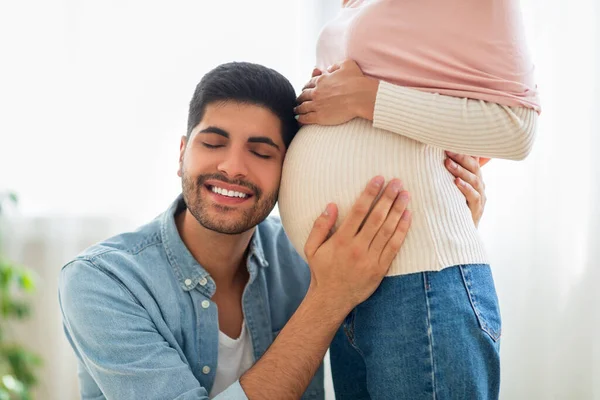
<point x="231" y="167"/>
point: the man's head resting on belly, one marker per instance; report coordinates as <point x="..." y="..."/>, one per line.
<point x="240" y="123"/>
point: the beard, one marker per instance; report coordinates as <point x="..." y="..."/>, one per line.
<point x="224" y="219"/>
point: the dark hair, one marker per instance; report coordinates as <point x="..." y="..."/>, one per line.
<point x="246" y="83"/>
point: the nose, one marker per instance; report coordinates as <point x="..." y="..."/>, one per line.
<point x="234" y="165"/>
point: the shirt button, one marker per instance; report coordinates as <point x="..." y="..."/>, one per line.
<point x="188" y="282"/>
<point x="203" y="282"/>
<point x="206" y="370"/>
<point x="205" y="304"/>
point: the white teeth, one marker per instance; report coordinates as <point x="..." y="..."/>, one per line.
<point x="228" y="193"/>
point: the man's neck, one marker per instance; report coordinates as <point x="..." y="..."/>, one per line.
<point x="221" y="255"/>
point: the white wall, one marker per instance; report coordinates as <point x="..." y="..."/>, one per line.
<point x="94" y="94"/>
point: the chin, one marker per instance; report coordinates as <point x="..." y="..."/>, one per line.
<point x="227" y="226"/>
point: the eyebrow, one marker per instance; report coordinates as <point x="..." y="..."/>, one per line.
<point x="253" y="139"/>
<point x="263" y="139"/>
<point x="215" y="130"/>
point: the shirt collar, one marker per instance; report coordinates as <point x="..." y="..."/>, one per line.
<point x="187" y="270"/>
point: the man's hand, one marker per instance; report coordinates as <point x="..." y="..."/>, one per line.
<point x="468" y="179"/>
<point x="349" y="265"/>
<point x="346" y="268"/>
<point x="337" y="96"/>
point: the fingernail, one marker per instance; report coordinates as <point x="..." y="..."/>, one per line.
<point x="396" y="186"/>
<point x="326" y="211"/>
<point x="405" y="215"/>
<point x="377" y="181"/>
<point x="451" y="154"/>
<point x="461" y="182"/>
<point x="453" y="165"/>
<point x="404" y="196"/>
<point x="296" y="116"/>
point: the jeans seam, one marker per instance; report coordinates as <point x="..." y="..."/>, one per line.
<point x="472" y="299"/>
<point x="430" y="334"/>
<point x="349" y="332"/>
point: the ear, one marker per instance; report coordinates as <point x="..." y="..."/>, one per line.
<point x="182" y="147"/>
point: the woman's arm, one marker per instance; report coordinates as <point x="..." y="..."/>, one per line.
<point x="461" y="125"/>
<point x="458" y="124"/>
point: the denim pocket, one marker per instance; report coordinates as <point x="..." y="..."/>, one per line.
<point x="480" y="288"/>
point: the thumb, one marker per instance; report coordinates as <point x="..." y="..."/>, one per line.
<point x="320" y="231"/>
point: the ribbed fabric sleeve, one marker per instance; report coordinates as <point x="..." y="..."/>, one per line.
<point x="461" y="125"/>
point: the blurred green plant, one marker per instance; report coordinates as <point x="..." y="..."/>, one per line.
<point x="18" y="365"/>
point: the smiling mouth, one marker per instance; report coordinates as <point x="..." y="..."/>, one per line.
<point x="228" y="193"/>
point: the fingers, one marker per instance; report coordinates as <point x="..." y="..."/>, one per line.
<point x="320" y="231"/>
<point x="312" y="82"/>
<point x="469" y="163"/>
<point x="308" y="118"/>
<point x="469" y="181"/>
<point x="351" y="66"/>
<point x="390" y="225"/>
<point x="468" y="170"/>
<point x="306" y="95"/>
<point x="306" y="107"/>
<point x="396" y="241"/>
<point x="473" y="196"/>
<point x="361" y="208"/>
<point x="381" y="212"/>
<point x="316" y="72"/>
<point x="475" y="199"/>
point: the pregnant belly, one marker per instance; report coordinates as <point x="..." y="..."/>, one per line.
<point x="333" y="164"/>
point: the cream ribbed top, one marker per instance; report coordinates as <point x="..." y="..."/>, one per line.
<point x="334" y="163"/>
<point x="412" y="128"/>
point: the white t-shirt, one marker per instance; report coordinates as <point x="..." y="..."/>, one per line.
<point x="235" y="357"/>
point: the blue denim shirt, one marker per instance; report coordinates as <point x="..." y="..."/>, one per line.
<point x="137" y="311"/>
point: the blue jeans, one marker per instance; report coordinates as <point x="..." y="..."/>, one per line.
<point x="430" y="335"/>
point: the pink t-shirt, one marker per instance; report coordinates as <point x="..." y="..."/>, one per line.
<point x="463" y="48"/>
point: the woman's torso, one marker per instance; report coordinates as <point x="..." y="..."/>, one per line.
<point x="334" y="163"/>
<point x="467" y="48"/>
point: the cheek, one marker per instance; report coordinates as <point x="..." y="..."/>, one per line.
<point x="275" y="179"/>
<point x="268" y="176"/>
<point x="197" y="163"/>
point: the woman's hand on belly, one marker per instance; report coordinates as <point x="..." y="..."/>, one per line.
<point x="337" y="96"/>
<point x="469" y="180"/>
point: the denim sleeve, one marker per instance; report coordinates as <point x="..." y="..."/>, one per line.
<point x="119" y="345"/>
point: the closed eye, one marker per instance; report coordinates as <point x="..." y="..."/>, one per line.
<point x="261" y="155"/>
<point x="212" y="146"/>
